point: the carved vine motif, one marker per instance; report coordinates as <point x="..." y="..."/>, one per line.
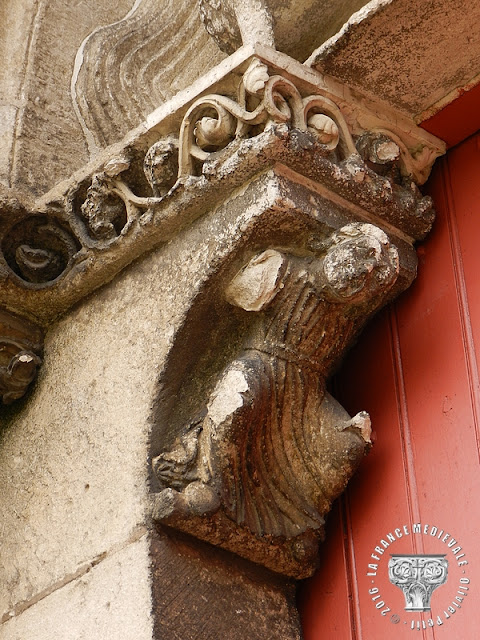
<point x="214" y="123"/>
<point x="21" y="345"/>
<point x="257" y="473"/>
<point x="105" y="208"/>
<point x="211" y="124"/>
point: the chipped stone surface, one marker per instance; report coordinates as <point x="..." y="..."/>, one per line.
<point x="227" y="396"/>
<point x="73" y="461"/>
<point x="255" y="286"/>
<point x="84" y="231"/>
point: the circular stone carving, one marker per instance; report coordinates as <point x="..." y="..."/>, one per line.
<point x="38" y="249"/>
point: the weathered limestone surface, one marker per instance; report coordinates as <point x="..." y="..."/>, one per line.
<point x="135" y="195"/>
<point x="13" y="53"/>
<point x="41" y="138"/>
<point x="127" y="69"/>
<point x="83" y="492"/>
<point x="417" y="56"/>
<point x="111" y="600"/>
<point x="295" y="27"/>
<point x="73" y="459"/>
<point x="78" y="75"/>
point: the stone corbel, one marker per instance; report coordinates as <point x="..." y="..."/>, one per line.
<point x="313" y="195"/>
<point x="256" y="469"/>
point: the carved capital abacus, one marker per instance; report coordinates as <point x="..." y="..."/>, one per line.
<point x="258" y="110"/>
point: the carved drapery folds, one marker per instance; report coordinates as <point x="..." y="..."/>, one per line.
<point x="257" y="470"/>
<point x="125" y="70"/>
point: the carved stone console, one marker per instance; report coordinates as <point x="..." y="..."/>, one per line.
<point x="303" y="201"/>
<point x="257" y="470"/>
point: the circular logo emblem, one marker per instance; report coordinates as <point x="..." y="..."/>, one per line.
<point x="433" y="581"/>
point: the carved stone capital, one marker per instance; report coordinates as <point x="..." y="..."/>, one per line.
<point x="418" y="576"/>
<point x="256" y="110"/>
<point x="311" y="194"/>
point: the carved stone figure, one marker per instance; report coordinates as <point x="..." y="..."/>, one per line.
<point x="258" y="471"/>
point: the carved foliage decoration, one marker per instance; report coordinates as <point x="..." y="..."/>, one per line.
<point x="257" y="470"/>
<point x="218" y="123"/>
<point x="134" y="186"/>
<point x="21" y="345"/>
<point x="212" y="122"/>
<point x="178" y="167"/>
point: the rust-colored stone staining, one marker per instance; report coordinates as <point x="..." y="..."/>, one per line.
<point x="201" y="592"/>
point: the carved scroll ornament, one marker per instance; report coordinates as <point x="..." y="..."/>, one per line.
<point x="418" y="576"/>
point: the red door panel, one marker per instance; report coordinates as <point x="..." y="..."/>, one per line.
<point x="415" y="370"/>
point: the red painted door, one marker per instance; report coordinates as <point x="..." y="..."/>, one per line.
<point x="415" y="370"/>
